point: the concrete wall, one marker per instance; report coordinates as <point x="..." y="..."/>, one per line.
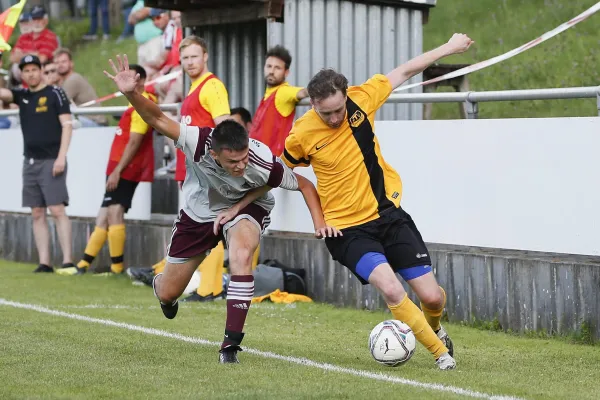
<point x="553" y="293"/>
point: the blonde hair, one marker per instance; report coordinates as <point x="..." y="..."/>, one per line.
<point x="190" y="40"/>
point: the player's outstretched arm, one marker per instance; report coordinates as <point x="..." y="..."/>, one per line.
<point x="127" y="80"/>
<point x="311" y="197"/>
<point x="458" y="43"/>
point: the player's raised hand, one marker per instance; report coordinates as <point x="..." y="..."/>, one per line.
<point x="459" y="43"/>
<point x="125" y="78"/>
<point x="327" y="231"/>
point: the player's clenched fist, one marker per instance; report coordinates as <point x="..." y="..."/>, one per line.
<point x="459" y="43"/>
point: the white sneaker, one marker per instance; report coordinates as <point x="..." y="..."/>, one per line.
<point x="443" y="336"/>
<point x="445" y="362"/>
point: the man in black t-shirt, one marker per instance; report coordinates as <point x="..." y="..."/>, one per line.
<point x="46" y="124"/>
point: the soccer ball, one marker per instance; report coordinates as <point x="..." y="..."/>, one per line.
<point x="392" y="343"/>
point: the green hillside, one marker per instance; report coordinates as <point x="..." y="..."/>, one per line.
<point x="568" y="60"/>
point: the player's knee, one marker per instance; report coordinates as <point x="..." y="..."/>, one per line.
<point x="392" y="291"/>
<point x="432" y="298"/>
<point x="167" y="294"/>
<point x="115" y="215"/>
<point x="241" y="257"/>
<point x="38" y="213"/>
<point x="57" y="211"/>
<point x="102" y="223"/>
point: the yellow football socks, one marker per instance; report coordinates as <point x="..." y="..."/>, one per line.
<point x="407" y="312"/>
<point x="433" y="317"/>
<point x="93" y="247"/>
<point x="116" y="246"/>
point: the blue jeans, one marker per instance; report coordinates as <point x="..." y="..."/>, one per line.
<point x="93" y="10"/>
<point x="128" y="28"/>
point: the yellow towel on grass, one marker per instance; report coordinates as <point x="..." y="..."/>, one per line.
<point x="283" y="298"/>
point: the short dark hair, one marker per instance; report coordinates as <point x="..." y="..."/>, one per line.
<point x="242" y="112"/>
<point x="229" y="135"/>
<point x="282" y="53"/>
<point x="326" y="83"/>
<point x="139" y="69"/>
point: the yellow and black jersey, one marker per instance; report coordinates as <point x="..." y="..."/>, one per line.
<point x="354" y="183"/>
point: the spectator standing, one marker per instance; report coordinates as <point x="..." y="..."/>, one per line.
<point x="77" y="88"/>
<point x="274" y="116"/>
<point x="40" y="41"/>
<point x="93" y="10"/>
<point x="46" y="126"/>
<point x="207" y="101"/>
<point x="126" y="6"/>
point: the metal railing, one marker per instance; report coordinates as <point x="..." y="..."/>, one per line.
<point x="471" y="100"/>
<point x="113" y="110"/>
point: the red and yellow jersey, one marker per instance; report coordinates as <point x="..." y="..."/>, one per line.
<point x="354" y="182"/>
<point x="141" y="167"/>
<point x="206" y="101"/>
<point x="274" y="116"/>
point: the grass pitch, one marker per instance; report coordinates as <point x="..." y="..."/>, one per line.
<point x="75" y="347"/>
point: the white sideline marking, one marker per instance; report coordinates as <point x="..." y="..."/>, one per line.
<point x="265" y="354"/>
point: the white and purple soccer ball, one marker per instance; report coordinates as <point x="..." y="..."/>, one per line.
<point x="392" y="343"/>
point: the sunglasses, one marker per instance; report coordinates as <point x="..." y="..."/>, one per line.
<point x="50" y="71"/>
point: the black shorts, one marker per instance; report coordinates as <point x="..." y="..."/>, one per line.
<point x="393" y="234"/>
<point x="122" y="195"/>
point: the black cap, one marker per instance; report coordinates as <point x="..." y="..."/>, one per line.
<point x="29" y="59"/>
<point x="25" y="17"/>
<point x="38" y="12"/>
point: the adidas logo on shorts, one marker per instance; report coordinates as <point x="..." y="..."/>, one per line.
<point x="242" y="306"/>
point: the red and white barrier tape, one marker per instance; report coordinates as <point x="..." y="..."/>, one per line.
<point x="495" y="60"/>
<point x="161" y="79"/>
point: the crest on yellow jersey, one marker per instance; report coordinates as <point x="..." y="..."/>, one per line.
<point x="357" y="118"/>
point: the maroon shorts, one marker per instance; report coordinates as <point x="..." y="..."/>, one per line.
<point x="191" y="238"/>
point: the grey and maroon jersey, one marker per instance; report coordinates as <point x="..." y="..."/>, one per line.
<point x="208" y="189"/>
